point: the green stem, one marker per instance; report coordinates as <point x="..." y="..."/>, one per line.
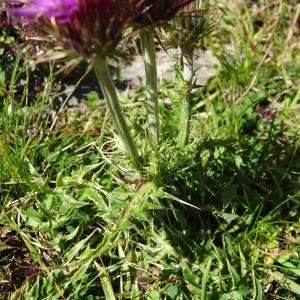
<point x="109" y="90"/>
<point x="149" y="54"/>
<point x="185" y="114"/>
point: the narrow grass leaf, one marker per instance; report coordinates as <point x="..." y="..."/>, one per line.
<point x="258" y="290"/>
<point x="205" y="280"/>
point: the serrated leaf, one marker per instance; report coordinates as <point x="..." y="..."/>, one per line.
<point x="75" y="250"/>
<point x="171" y="291"/>
<point x="189" y="276"/>
<point x="153" y="295"/>
<point x="32" y="217"/>
<point x="229" y="217"/>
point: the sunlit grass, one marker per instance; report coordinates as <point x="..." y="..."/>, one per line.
<point x="219" y="221"/>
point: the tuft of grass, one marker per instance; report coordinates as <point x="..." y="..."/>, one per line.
<point x="219" y="221"/>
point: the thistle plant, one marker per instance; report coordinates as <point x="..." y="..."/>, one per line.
<point x="93" y="29"/>
<point x="187" y="31"/>
<point x="154" y="12"/>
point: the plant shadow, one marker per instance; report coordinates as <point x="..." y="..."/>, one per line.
<point x="229" y="181"/>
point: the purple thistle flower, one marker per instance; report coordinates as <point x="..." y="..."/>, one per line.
<point x="91" y="27"/>
<point x="61" y="10"/>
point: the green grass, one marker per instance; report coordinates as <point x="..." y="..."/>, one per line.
<point x="219" y="221"/>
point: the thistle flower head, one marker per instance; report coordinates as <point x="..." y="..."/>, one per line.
<point x="157" y="11"/>
<point x="90" y="27"/>
<point x="189" y="27"/>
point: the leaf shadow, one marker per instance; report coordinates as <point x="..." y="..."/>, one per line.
<point x="229" y="181"/>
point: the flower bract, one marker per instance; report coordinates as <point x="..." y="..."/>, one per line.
<point x="156" y="11"/>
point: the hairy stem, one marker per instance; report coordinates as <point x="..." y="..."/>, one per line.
<point x="185" y="114"/>
<point x="109" y="90"/>
<point x="149" y="55"/>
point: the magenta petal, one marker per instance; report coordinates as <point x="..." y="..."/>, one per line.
<point x="61" y="10"/>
